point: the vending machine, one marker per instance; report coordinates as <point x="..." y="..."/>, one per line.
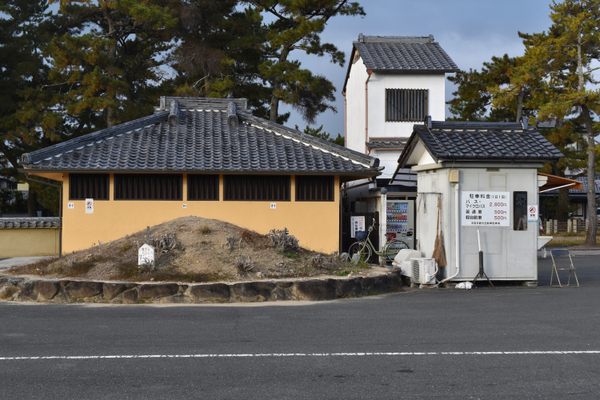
<point x="400" y="221"/>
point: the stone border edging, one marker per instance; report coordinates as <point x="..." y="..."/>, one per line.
<point x="19" y="288"/>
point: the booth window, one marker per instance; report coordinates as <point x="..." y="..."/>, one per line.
<point x="88" y="186"/>
<point x="406" y="105"/>
<point x="148" y="187"/>
<point x="314" y="188"/>
<point x="203" y="187"/>
<point x="256" y="187"/>
<point x="520" y="211"/>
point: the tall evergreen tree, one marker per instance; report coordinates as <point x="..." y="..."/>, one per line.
<point x="295" y="26"/>
<point x="561" y="64"/>
<point x="108" y="61"/>
<point x="474" y="96"/>
<point x="221" y="47"/>
<point x="24" y="33"/>
<point x="26" y="121"/>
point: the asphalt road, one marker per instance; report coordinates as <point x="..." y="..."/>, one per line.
<point x="502" y="343"/>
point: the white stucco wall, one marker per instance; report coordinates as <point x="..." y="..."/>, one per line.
<point x="431" y="186"/>
<point x="378" y="127"/>
<point x="355" y="107"/>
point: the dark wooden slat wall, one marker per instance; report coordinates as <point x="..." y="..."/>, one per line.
<point x="203" y="187"/>
<point x="314" y="188"/>
<point x="88" y="186"/>
<point x="148" y="186"/>
<point x="256" y="187"/>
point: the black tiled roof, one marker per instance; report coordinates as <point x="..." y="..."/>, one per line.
<point x="403" y="54"/>
<point x="396" y="143"/>
<point x="201" y="135"/>
<point x="583" y="181"/>
<point x="481" y="141"/>
<point x="29" y="223"/>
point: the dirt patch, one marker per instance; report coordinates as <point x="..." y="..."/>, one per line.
<point x="193" y="249"/>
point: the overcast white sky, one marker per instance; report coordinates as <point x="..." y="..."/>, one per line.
<point x="471" y="32"/>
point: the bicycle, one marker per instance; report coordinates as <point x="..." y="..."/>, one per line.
<point x="362" y="250"/>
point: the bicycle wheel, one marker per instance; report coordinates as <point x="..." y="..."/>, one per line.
<point x="362" y="250"/>
<point x="392" y="248"/>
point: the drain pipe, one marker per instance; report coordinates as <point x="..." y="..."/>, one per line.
<point x="456" y="232"/>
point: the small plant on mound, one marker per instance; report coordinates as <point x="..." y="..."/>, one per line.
<point x="205" y="230"/>
<point x="244" y="265"/>
<point x="165" y="243"/>
<point x="231" y="243"/>
<point x="249" y="237"/>
<point x="283" y="241"/>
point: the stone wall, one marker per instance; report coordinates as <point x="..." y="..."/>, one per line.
<point x="14" y="288"/>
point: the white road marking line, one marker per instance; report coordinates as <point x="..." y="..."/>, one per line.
<point x="291" y="355"/>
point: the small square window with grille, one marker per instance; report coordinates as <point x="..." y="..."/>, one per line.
<point x="256" y="187"/>
<point x="314" y="188"/>
<point x="406" y="105"/>
<point x="148" y="187"/>
<point x="88" y="186"/>
<point x="203" y="187"/>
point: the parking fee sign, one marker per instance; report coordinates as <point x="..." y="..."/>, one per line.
<point x="485" y="208"/>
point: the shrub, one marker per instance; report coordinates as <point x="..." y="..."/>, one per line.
<point x="282" y="240"/>
<point x="244" y="265"/>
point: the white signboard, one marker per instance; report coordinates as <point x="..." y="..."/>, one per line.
<point x="532" y="213"/>
<point x="70" y="205"/>
<point x="89" y="206"/>
<point x="485" y="208"/>
<point x="356" y="224"/>
<point x="146" y="255"/>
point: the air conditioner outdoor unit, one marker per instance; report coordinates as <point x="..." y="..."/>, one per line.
<point x="405" y="260"/>
<point x="424" y="270"/>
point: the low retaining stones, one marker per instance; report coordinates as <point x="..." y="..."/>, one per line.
<point x="17" y="288"/>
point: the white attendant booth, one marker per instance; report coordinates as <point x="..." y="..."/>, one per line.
<point x="480" y="181"/>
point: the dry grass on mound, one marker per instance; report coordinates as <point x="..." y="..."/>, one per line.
<point x="204" y="250"/>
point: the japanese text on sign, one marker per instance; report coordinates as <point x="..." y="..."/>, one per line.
<point x="485" y="208"/>
<point x="357" y="224"/>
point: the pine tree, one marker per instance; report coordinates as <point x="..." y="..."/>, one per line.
<point x="24" y="33"/>
<point x="295" y="26"/>
<point x="560" y="64"/>
<point x="220" y="51"/>
<point x="107" y="62"/>
<point x="474" y="96"/>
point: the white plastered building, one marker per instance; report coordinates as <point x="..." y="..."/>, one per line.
<point x="392" y="83"/>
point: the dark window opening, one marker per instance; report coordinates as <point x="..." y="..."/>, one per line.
<point x="520" y="211"/>
<point x="203" y="187"/>
<point x="256" y="187"/>
<point x="148" y="187"/>
<point x="406" y="105"/>
<point x="88" y="186"/>
<point x="314" y="188"/>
